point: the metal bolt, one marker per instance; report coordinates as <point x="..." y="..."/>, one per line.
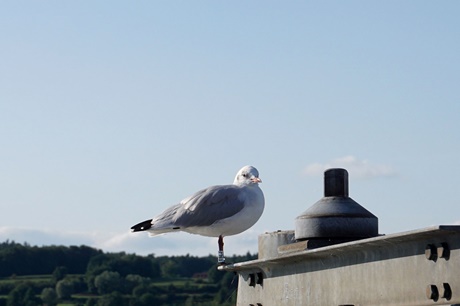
<point x="443" y="251"/>
<point x="260" y="278"/>
<point x="431" y="252"/>
<point x="252" y="280"/>
<point x="432" y="292"/>
<point x="445" y="292"/>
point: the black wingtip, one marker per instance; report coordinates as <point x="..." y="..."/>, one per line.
<point x="143" y="226"/>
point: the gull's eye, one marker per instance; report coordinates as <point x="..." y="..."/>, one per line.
<point x="245" y="175"/>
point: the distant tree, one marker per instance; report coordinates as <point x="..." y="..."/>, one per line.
<point x="190" y="301"/>
<point x="113" y="299"/>
<point x="172" y="289"/>
<point x="78" y="257"/>
<point x="49" y="297"/>
<point x="214" y="275"/>
<point x="64" y="288"/>
<point x="123" y="264"/>
<point x="140" y="290"/>
<point x="190" y="265"/>
<point x="98" y="264"/>
<point x="133" y="264"/>
<point x="148" y="299"/>
<point x="132" y="281"/>
<point x="23" y="259"/>
<point x="107" y="282"/>
<point x="22" y="295"/>
<point x="59" y="273"/>
<point x="6" y="287"/>
<point x="170" y="269"/>
<point x="78" y="283"/>
<point x="91" y="302"/>
<point x="128" y="274"/>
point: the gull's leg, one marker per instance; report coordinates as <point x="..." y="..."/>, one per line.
<point x="221" y="258"/>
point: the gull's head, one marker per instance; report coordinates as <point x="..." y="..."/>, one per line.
<point x="247" y="176"/>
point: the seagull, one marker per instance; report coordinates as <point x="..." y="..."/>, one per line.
<point x="216" y="211"/>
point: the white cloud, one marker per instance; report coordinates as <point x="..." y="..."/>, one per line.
<point x="362" y="169"/>
<point x="139" y="243"/>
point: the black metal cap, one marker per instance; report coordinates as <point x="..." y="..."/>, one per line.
<point x="336" y="183"/>
<point x="336" y="215"/>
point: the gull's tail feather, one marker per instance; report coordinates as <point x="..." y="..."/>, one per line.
<point x="143" y="226"/>
<point x="161" y="231"/>
<point x="147" y="225"/>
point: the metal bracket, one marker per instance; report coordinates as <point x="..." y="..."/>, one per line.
<point x="420" y="267"/>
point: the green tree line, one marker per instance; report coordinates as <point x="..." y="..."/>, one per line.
<point x="84" y="276"/>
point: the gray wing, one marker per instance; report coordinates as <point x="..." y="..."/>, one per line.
<point x="166" y="218"/>
<point x="209" y="205"/>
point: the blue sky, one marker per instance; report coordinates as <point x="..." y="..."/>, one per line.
<point x="111" y="111"/>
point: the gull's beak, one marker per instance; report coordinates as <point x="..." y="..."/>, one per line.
<point x="256" y="180"/>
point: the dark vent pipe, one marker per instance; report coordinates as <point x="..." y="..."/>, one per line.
<point x="336" y="216"/>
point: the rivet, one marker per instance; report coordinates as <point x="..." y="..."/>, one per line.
<point x="252" y="280"/>
<point x="432" y="292"/>
<point x="445" y="292"/>
<point x="260" y="278"/>
<point x="431" y="252"/>
<point x="443" y="251"/>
